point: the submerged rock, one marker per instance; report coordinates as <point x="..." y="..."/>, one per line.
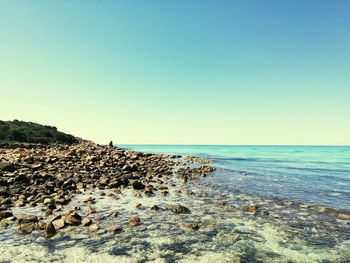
<point x="252" y="209"/>
<point x="179" y="209"/>
<point x="26" y="228"/>
<point x="114" y="229"/>
<point x="86" y="221"/>
<point x="27" y="219"/>
<point x="134" y="221"/>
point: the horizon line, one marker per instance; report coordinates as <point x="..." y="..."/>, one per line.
<point x="276" y="145"/>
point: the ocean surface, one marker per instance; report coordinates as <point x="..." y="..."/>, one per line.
<point x="309" y="174"/>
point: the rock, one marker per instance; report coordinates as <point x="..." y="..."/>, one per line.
<point x="101" y="231"/>
<point x="155" y="208"/>
<point x="37" y="166"/>
<point x="26" y="228"/>
<point x="89" y="200"/>
<point x="114" y="229"/>
<point x="5" y="214"/>
<point x="73" y="219"/>
<point x="86" y="221"/>
<point x="50" y="230"/>
<point x="94" y="227"/>
<point x="48" y="212"/>
<point x="191" y="226"/>
<point x="137" y="185"/>
<point x="139" y="206"/>
<point x="8" y="167"/>
<point x="179" y="209"/>
<point x="134" y="221"/>
<point x="113" y="214"/>
<point x="41" y="225"/>
<point x="90" y="210"/>
<point x="22" y="219"/>
<point x="47" y="201"/>
<point x="59" y="223"/>
<point x="252" y="209"/>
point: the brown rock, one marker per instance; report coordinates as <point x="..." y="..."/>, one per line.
<point x="41" y="225"/>
<point x="90" y="210"/>
<point x="59" y="223"/>
<point x="139" y="206"/>
<point x="179" y="209"/>
<point x="94" y="227"/>
<point x="50" y="230"/>
<point x="252" y="209"/>
<point x="26" y="228"/>
<point x="134" y="221"/>
<point x="192" y="226"/>
<point x="73" y="219"/>
<point x="48" y="212"/>
<point x="22" y="219"/>
<point x="114" y="229"/>
<point x="86" y="221"/>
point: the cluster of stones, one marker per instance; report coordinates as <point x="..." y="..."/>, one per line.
<point x="51" y="175"/>
<point x="192" y="173"/>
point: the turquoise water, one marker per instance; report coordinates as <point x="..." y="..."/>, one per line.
<point x="308" y="174"/>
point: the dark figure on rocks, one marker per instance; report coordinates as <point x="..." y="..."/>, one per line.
<point x="111" y="144"/>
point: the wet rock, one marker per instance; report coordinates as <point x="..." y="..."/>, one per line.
<point x="155" y="208"/>
<point x="26" y="228"/>
<point x="48" y="212"/>
<point x="73" y="219"/>
<point x="94" y="227"/>
<point x="5" y="214"/>
<point x="22" y="219"/>
<point x="139" y="206"/>
<point x="252" y="209"/>
<point x="50" y="230"/>
<point x="89" y="200"/>
<point x="90" y="210"/>
<point x="114" y="229"/>
<point x="191" y="226"/>
<point x="113" y="214"/>
<point x="59" y="223"/>
<point x="47" y="201"/>
<point x="86" y="221"/>
<point x="137" y="185"/>
<point x="41" y="225"/>
<point x="134" y="221"/>
<point x="179" y="209"/>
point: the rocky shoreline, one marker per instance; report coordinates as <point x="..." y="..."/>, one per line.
<point x="49" y="176"/>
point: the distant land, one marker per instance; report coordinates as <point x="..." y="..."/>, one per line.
<point x="29" y="132"/>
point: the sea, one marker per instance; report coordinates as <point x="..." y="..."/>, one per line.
<point x="309" y="174"/>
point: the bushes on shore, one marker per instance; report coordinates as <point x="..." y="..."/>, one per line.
<point x="30" y="132"/>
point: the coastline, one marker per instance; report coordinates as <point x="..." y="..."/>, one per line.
<point x="148" y="212"/>
<point x="50" y="176"/>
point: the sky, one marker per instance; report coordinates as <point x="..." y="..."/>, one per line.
<point x="179" y="72"/>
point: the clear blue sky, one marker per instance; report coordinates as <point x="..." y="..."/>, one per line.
<point x="196" y="72"/>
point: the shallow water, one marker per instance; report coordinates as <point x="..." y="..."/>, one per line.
<point x="309" y="174"/>
<point x="282" y="230"/>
